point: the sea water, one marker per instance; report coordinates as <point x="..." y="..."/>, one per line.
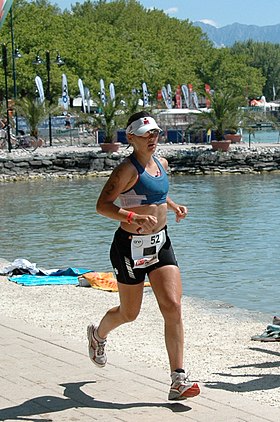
<point x="268" y="136"/>
<point x="227" y="247"/>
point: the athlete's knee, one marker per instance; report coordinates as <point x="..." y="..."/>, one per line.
<point x="172" y="310"/>
<point x="129" y="315"/>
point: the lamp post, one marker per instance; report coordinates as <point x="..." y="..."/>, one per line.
<point x="59" y="62"/>
<point x="15" y="55"/>
<point x="5" y="65"/>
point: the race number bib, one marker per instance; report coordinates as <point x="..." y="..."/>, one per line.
<point x="145" y="249"/>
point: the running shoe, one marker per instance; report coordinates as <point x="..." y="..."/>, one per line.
<point x="181" y="388"/>
<point x="96" y="347"/>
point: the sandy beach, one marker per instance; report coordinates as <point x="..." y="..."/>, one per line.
<point x="218" y="349"/>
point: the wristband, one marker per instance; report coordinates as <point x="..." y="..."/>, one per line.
<point x="130" y="216"/>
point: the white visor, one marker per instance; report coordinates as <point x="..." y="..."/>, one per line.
<point x="142" y="125"/>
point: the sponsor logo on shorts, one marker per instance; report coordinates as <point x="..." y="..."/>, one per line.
<point x="139" y="262"/>
<point x="128" y="267"/>
<point x="137" y="243"/>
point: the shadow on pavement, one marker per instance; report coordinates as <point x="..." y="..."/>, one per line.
<point x="76" y="399"/>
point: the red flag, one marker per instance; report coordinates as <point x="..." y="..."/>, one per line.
<point x="207" y="100"/>
<point x="178" y="97"/>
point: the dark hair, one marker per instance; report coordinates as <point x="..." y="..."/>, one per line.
<point x="137" y="116"/>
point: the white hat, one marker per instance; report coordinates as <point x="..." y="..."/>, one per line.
<point x="142" y="125"/>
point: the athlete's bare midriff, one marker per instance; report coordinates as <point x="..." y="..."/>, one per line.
<point x="158" y="211"/>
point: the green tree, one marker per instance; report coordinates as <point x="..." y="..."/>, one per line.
<point x="265" y="57"/>
<point x="226" y="70"/>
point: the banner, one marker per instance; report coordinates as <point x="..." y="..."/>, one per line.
<point x="40" y="88"/>
<point x="102" y="92"/>
<point x="82" y="92"/>
<point x="87" y="98"/>
<point x="178" y="97"/>
<point x="5" y="6"/>
<point x="195" y="100"/>
<point x="112" y="91"/>
<point x="207" y="100"/>
<point x="169" y="93"/>
<point x="185" y="92"/>
<point x="65" y="98"/>
<point x="165" y="96"/>
<point x="274" y="92"/>
<point x="145" y="95"/>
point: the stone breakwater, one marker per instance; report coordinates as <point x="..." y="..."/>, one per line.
<point x="90" y="161"/>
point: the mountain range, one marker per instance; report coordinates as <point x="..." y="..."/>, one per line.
<point x="229" y="34"/>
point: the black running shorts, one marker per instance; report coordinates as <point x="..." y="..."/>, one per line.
<point x="122" y="262"/>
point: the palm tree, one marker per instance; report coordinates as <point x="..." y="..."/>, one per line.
<point x="114" y="114"/>
<point x="224" y="115"/>
<point x="34" y="112"/>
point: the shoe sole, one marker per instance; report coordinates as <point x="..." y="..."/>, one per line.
<point x="188" y="394"/>
<point x="90" y="329"/>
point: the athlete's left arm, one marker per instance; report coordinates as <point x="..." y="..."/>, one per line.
<point x="180" y="210"/>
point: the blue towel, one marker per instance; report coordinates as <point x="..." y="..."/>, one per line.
<point x="68" y="276"/>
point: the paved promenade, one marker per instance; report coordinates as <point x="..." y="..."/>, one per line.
<point x="45" y="377"/>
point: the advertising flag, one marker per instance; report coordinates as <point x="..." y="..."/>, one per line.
<point x="195" y="100"/>
<point x="165" y="96"/>
<point x="87" y="98"/>
<point x="40" y="88"/>
<point x="185" y="92"/>
<point x="178" y="97"/>
<point x="5" y="6"/>
<point x="145" y="95"/>
<point x="169" y="93"/>
<point x="65" y="98"/>
<point x="274" y="92"/>
<point x="112" y="91"/>
<point x="102" y="92"/>
<point x="208" y="91"/>
<point x="82" y="92"/>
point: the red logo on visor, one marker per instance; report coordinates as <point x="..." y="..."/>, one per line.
<point x="146" y="121"/>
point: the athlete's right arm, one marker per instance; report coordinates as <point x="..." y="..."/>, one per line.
<point x="119" y="181"/>
<point x="122" y="178"/>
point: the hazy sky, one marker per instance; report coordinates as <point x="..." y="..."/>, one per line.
<point x="217" y="12"/>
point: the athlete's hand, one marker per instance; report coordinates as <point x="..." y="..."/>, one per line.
<point x="145" y="222"/>
<point x="181" y="211"/>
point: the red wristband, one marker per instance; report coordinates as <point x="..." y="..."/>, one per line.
<point x="130" y="216"/>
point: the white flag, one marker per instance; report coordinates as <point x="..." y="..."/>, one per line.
<point x="40" y="88"/>
<point x="195" y="99"/>
<point x="65" y="98"/>
<point x="274" y="91"/>
<point x="165" y="96"/>
<point x="87" y="98"/>
<point x="145" y="95"/>
<point x="169" y="93"/>
<point x="185" y="92"/>
<point x="102" y="92"/>
<point x="112" y="92"/>
<point x="82" y="92"/>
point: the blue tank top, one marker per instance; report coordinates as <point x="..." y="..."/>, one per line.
<point x="148" y="189"/>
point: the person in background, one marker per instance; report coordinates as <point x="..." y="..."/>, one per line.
<point x="141" y="246"/>
<point x="67" y="123"/>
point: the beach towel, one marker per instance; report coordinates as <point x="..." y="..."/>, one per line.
<point x="102" y="281"/>
<point x="59" y="277"/>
